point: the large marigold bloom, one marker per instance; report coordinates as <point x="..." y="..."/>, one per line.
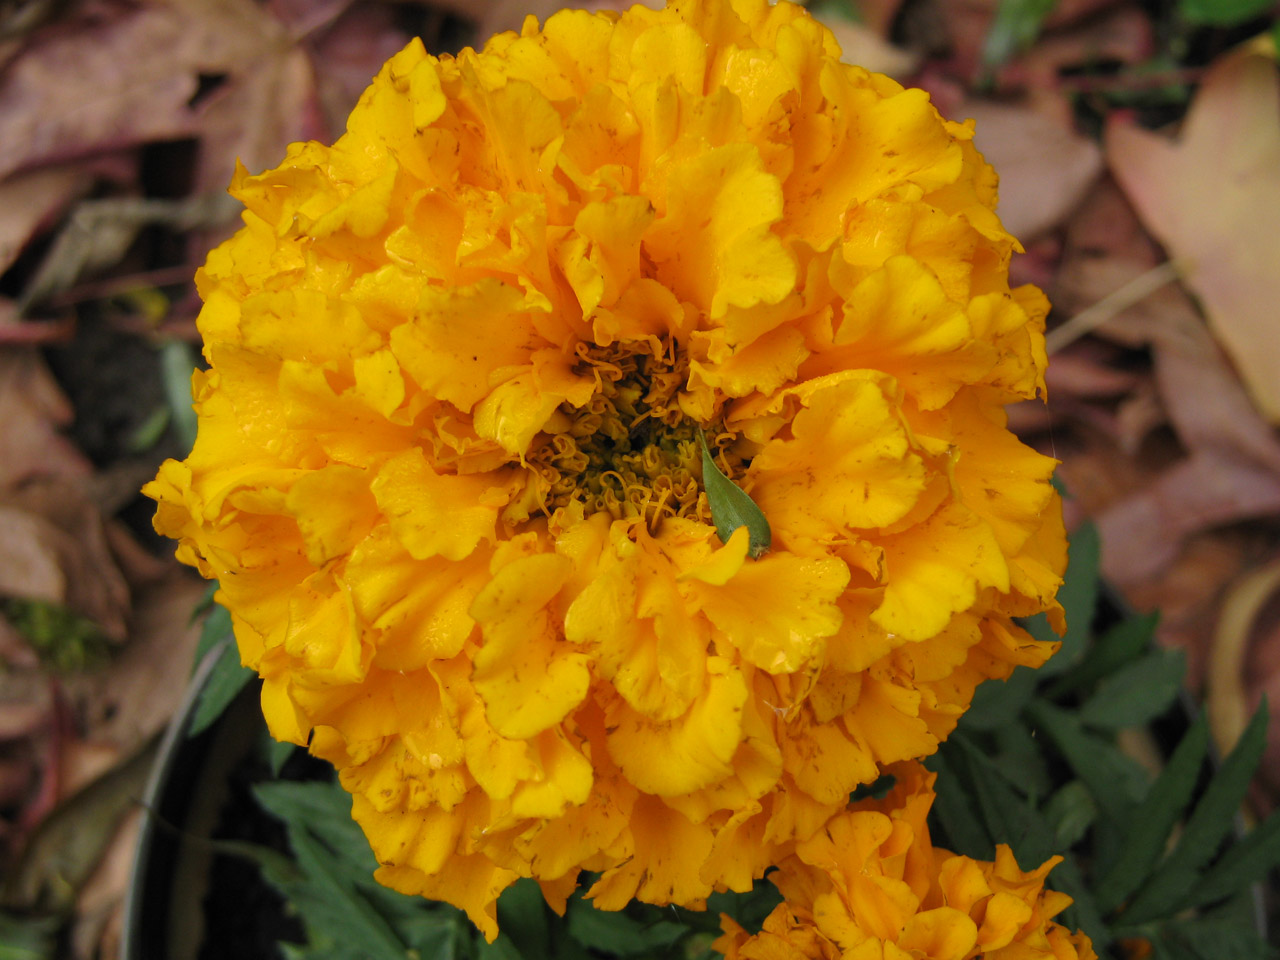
<point x="448" y="472"/>
<point x="871" y="886"/>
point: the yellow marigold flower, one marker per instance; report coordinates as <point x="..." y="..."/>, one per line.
<point x="448" y="472"/>
<point x="871" y="886"/>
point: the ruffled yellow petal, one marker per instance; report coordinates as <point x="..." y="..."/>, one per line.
<point x="777" y="610"/>
<point x="435" y="514"/>
<point x="527" y="676"/>
<point x="664" y="867"/>
<point x="848" y="465"/>
<point x="681" y="755"/>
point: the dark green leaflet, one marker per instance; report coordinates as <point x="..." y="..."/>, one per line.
<point x="731" y="508"/>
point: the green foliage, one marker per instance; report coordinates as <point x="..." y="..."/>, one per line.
<point x="1223" y="13"/>
<point x="1158" y="858"/>
<point x="227" y="677"/>
<point x="347" y="915"/>
<point x="731" y="508"/>
<point x="64" y="641"/>
<point x="24" y="938"/>
<point x="1016" y="25"/>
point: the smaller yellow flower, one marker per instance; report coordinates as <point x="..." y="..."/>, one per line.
<point x="871" y="886"/>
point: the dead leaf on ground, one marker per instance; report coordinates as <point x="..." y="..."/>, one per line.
<point x="31" y="444"/>
<point x="968" y="25"/>
<point x="100" y="905"/>
<point x="141" y="74"/>
<point x="56" y="549"/>
<point x="30" y="201"/>
<point x="136" y="694"/>
<point x="861" y="45"/>
<point x="1121" y="36"/>
<point x="1213" y="199"/>
<point x="1199" y="388"/>
<point x="1045" y="168"/>
<point x="125" y="80"/>
<point x="26" y="703"/>
<point x="1143" y="534"/>
<point x="66" y="848"/>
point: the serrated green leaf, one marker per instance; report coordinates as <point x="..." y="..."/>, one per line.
<point x="1021" y="758"/>
<point x="1208" y="826"/>
<point x="1116" y="781"/>
<point x="1071" y="811"/>
<point x="1213" y="939"/>
<point x="225" y="682"/>
<point x="954" y="808"/>
<point x="1138" y="693"/>
<point x="439" y="934"/>
<point x="1249" y="860"/>
<point x="333" y="864"/>
<point x="618" y="933"/>
<point x="330" y="903"/>
<point x="522" y="916"/>
<point x="501" y="949"/>
<point x="997" y="703"/>
<point x="1223" y="13"/>
<point x="1153" y="820"/>
<point x="325" y="810"/>
<point x="1122" y="644"/>
<point x="731" y="508"/>
<point x="276" y="752"/>
<point x="1010" y="818"/>
<point x="1083" y="914"/>
<point x="1079" y="598"/>
<point x="749" y="909"/>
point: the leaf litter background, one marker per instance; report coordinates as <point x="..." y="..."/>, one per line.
<point x="1139" y="150"/>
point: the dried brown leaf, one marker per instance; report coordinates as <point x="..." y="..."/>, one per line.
<point x="1142" y="534"/>
<point x="136" y="694"/>
<point x="127" y="80"/>
<point x="352" y="50"/>
<point x="1199" y="388"/>
<point x="100" y="905"/>
<point x="1213" y="199"/>
<point x="34" y="408"/>
<point x="1121" y="36"/>
<point x="65" y="849"/>
<point x="57" y="550"/>
<point x="1045" y="168"/>
<point x="31" y="200"/>
<point x="26" y="704"/>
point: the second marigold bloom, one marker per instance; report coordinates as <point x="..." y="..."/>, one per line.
<point x="448" y="472"/>
<point x="871" y="886"/>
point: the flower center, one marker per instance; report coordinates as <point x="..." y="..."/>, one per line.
<point x="630" y="451"/>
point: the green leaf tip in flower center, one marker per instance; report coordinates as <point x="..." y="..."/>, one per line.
<point x="731" y="508"/>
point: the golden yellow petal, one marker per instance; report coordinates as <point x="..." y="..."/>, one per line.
<point x="689" y="752"/>
<point x="777" y="611"/>
<point x="527" y="674"/>
<point x="848" y="464"/>
<point x="713" y="245"/>
<point x="436" y="514"/>
<point x="935" y="570"/>
<point x="669" y="851"/>
<point x="941" y="934"/>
